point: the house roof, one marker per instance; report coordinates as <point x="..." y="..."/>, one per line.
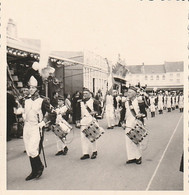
<point x="72" y="55"/>
<point x="30" y="45"/>
<point x="157" y="69"/>
<point x="154" y="69"/>
<point x="174" y="66"/>
<point x="135" y="69"/>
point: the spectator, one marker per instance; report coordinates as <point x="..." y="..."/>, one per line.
<point x="11" y="119"/>
<point x="54" y="100"/>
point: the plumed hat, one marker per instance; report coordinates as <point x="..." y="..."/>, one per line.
<point x="32" y="76"/>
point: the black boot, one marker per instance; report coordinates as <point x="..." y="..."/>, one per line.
<point x="65" y="150"/>
<point x="85" y="156"/>
<point x="94" y="155"/>
<point x="39" y="165"/>
<point x="33" y="174"/>
<point x="154" y="114"/>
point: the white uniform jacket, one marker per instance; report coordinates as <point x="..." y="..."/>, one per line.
<point x="32" y="117"/>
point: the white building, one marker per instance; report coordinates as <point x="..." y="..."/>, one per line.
<point x="169" y="75"/>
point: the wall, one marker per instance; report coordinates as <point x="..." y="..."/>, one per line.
<point x="73" y="78"/>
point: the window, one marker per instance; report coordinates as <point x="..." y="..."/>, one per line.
<point x="146" y="77"/>
<point x="157" y="77"/>
<point x="163" y="77"/>
<point x="151" y="77"/>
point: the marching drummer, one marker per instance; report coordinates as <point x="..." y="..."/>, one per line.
<point x="88" y="110"/>
<point x="61" y="110"/>
<point x="133" y="151"/>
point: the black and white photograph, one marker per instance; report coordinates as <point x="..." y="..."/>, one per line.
<point x="95" y="95"/>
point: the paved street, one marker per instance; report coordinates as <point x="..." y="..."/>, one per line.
<point x="159" y="170"/>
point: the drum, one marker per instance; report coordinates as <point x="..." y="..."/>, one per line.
<point x="93" y="131"/>
<point x="138" y="133"/>
<point x="61" y="130"/>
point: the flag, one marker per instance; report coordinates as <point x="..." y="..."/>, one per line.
<point x="110" y="77"/>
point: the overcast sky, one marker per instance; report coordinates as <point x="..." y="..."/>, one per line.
<point x="141" y="31"/>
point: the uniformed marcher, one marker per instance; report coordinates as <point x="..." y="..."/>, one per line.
<point x="133" y="151"/>
<point x="88" y="110"/>
<point x="61" y="110"/>
<point x="160" y="102"/>
<point x="169" y="102"/>
<point x="181" y="102"/>
<point x="34" y="111"/>
<point x="152" y="105"/>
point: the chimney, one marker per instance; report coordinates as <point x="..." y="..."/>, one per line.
<point x="142" y="68"/>
<point x="11" y="29"/>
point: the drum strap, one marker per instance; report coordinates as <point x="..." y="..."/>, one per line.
<point x="132" y="109"/>
<point x="88" y="109"/>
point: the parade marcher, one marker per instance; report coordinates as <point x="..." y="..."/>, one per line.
<point x="88" y="110"/>
<point x="11" y="118"/>
<point x="169" y="100"/>
<point x="34" y="112"/>
<point x="173" y="101"/>
<point x="181" y="102"/>
<point x="109" y="109"/>
<point x="152" y="105"/>
<point x="176" y="100"/>
<point x="160" y="102"/>
<point x="164" y="101"/>
<point x="61" y="110"/>
<point x="133" y="151"/>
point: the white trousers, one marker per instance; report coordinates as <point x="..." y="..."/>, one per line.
<point x="133" y="151"/>
<point x="160" y="105"/>
<point x="87" y="146"/>
<point x="31" y="138"/>
<point x="110" y="117"/>
<point x="117" y="116"/>
<point x="59" y="144"/>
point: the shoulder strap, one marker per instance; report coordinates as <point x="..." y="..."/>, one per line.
<point x="131" y="109"/>
<point x="87" y="107"/>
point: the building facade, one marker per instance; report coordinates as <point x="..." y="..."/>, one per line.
<point x="169" y="75"/>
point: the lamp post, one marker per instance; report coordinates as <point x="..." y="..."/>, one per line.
<point x="46" y="72"/>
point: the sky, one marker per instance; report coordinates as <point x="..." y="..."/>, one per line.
<point x="140" y="31"/>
